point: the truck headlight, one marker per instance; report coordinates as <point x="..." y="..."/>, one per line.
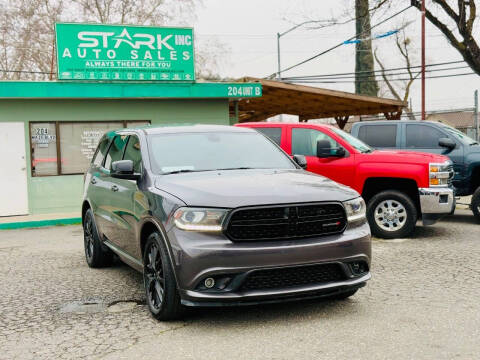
<point x="356" y="209"/>
<point x="198" y="219"/>
<point x="440" y="173"/>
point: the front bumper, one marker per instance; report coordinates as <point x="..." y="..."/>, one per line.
<point x="197" y="256"/>
<point x="435" y="203"/>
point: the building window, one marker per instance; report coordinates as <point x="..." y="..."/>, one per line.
<point x="44" y="149"/>
<point x="75" y="143"/>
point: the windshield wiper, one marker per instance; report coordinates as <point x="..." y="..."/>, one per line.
<point x="474" y="143"/>
<point x="236" y="168"/>
<point x="181" y="171"/>
<point x="367" y="151"/>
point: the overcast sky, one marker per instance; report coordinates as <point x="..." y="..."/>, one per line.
<point x="248" y="29"/>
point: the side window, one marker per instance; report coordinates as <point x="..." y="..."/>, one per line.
<point x="379" y="135"/>
<point x="115" y="152"/>
<point x="132" y="152"/>
<point x="274" y="133"/>
<point x="304" y="141"/>
<point x="423" y="137"/>
<point x="100" y="153"/>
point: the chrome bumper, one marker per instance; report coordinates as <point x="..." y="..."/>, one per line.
<point x="435" y="202"/>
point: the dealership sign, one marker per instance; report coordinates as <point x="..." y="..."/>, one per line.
<point x="117" y="52"/>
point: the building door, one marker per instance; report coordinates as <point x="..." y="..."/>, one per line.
<point x="13" y="170"/>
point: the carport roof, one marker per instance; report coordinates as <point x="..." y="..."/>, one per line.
<point x="308" y="102"/>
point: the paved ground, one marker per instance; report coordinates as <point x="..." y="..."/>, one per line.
<point x="421" y="304"/>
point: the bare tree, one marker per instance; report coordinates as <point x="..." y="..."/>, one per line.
<point x="363" y="50"/>
<point x="402" y="43"/>
<point x="457" y="24"/>
<point x="27" y="29"/>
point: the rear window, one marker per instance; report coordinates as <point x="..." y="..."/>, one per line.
<point x="274" y="133"/>
<point x="379" y="135"/>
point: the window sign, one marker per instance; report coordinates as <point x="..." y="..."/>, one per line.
<point x="118" y="52"/>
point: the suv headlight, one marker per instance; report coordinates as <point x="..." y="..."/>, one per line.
<point x="198" y="219"/>
<point x="440" y="173"/>
<point x="356" y="209"/>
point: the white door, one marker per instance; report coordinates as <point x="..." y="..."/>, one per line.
<point x="13" y="170"/>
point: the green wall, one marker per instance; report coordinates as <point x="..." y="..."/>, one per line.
<point x="57" y="194"/>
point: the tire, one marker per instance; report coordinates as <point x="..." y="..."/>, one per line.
<point x="95" y="254"/>
<point x="344" y="295"/>
<point x="401" y="209"/>
<point x="476" y="204"/>
<point x="161" y="292"/>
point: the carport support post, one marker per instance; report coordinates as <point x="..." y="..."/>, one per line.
<point x="476" y="116"/>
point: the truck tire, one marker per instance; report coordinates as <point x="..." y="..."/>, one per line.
<point x="476" y="204"/>
<point x="391" y="214"/>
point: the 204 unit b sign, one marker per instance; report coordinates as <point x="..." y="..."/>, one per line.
<point x="117" y="52"/>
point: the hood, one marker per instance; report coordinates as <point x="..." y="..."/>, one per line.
<point x="398" y="156"/>
<point x="235" y="188"/>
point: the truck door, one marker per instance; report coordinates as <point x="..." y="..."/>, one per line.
<point x="304" y="142"/>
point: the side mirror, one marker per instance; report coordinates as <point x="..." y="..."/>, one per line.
<point x="123" y="169"/>
<point x="447" y="143"/>
<point x="301" y="161"/>
<point x="324" y="149"/>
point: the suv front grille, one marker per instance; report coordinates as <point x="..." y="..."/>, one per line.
<point x="293" y="276"/>
<point x="286" y="222"/>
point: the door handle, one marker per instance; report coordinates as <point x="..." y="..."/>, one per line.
<point x="93" y="181"/>
<point x="114" y="188"/>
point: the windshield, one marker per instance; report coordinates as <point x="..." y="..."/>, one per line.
<point x="356" y="143"/>
<point x="466" y="139"/>
<point x="189" y="152"/>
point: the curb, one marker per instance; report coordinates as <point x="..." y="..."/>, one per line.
<point x="40" y="223"/>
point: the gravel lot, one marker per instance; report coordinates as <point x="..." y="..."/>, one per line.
<point x="422" y="303"/>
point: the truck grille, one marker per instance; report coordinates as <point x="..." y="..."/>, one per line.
<point x="293" y="276"/>
<point x="286" y="222"/>
<point x="451" y="171"/>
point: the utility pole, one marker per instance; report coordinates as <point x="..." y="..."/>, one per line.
<point x="279" y="72"/>
<point x="423" y="60"/>
<point x="279" y="35"/>
<point x="476" y="116"/>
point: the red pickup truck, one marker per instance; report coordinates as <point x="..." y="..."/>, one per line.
<point x="398" y="186"/>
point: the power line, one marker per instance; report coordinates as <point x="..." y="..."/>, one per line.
<point x="340" y="44"/>
<point x="353" y="81"/>
<point x="26" y="72"/>
<point x="375" y="75"/>
<point x="372" y="71"/>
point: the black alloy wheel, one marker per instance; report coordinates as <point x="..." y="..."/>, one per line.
<point x="153" y="276"/>
<point x="161" y="291"/>
<point x="95" y="254"/>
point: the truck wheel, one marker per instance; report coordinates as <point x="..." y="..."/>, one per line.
<point x="476" y="204"/>
<point x="95" y="255"/>
<point x="391" y="214"/>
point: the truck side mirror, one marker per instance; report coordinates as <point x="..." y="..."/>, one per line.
<point x="300" y="160"/>
<point x="324" y="149"/>
<point x="447" y="143"/>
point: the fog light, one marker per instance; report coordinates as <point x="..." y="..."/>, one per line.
<point x="359" y="267"/>
<point x="209" y="283"/>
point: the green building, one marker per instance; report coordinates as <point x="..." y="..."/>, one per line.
<point x="49" y="130"/>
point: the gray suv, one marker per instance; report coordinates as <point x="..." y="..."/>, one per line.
<point x="219" y="215"/>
